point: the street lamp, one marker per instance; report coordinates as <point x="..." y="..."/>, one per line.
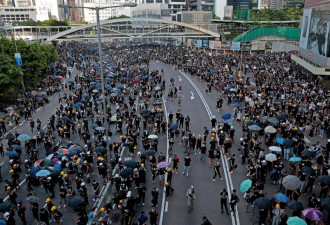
<point x="97" y="9"/>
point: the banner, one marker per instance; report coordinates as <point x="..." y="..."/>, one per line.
<point x="189" y="42"/>
<point x="255" y="46"/>
<point x="235" y="46"/>
<point x="18" y="59"/>
<point x="205" y="43"/>
<point x="215" y="44"/>
<point x="199" y="44"/>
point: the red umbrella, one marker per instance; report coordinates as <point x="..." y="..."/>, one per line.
<point x="222" y="84"/>
<point x="251" y="88"/>
<point x="98" y="78"/>
<point x="137" y="80"/>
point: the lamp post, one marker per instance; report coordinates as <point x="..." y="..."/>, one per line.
<point x="97" y="9"/>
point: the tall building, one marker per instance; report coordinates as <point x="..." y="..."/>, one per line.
<point x="47" y="9"/>
<point x="219" y="8"/>
<point x="23" y="3"/>
<point x="200" y="5"/>
<point x="243" y="4"/>
<point x="10" y="14"/>
<point x="293" y="3"/>
<point x="275" y="4"/>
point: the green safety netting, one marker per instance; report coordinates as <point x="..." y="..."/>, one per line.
<point x="289" y="33"/>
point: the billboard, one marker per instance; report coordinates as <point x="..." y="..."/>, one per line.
<point x="236" y="46"/>
<point x="315" y="35"/>
<point x="215" y="44"/>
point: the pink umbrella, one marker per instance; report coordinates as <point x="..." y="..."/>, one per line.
<point x="137" y="80"/>
<point x="54" y="160"/>
<point x="222" y="84"/>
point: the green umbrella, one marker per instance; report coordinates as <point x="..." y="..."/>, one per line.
<point x="245" y="185"/>
<point x="295" y="221"/>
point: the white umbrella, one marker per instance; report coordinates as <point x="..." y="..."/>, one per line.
<point x="100" y="128"/>
<point x="291" y="182"/>
<point x="270" y="129"/>
<point x="271" y="157"/>
<point x="152" y="136"/>
<point x="275" y="149"/>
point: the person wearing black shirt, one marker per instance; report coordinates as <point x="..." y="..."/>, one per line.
<point x="217" y="171"/>
<point x="186" y="165"/>
<point x="223" y="200"/>
<point x="153" y="216"/>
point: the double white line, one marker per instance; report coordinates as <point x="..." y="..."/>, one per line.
<point x="229" y="182"/>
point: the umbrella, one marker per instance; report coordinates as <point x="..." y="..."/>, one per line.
<point x="113" y="94"/>
<point x="173" y="127"/>
<point x="157" y="88"/>
<point x="11" y="153"/>
<point x="100" y="149"/>
<point x="288" y="142"/>
<point x="307" y="153"/>
<point x="271" y="157"/>
<point x="74" y="151"/>
<point x="130" y="163"/>
<point x="10" y="137"/>
<point x="295" y="159"/>
<point x="75" y="201"/>
<point x="116" y="90"/>
<point x="313" y="214"/>
<point x="254" y="127"/>
<point x="226" y="116"/>
<point x="325" y="203"/>
<point x="275" y="149"/>
<point x="2" y="222"/>
<point x="32" y="199"/>
<point x="100" y="128"/>
<point x="280" y="140"/>
<point x="152" y="136"/>
<point x="45" y="162"/>
<point x="149" y="153"/>
<point x="125" y="173"/>
<point x="95" y="91"/>
<point x="282" y="116"/>
<point x="43" y="173"/>
<point x="232" y="90"/>
<point x="308" y="170"/>
<point x="245" y="185"/>
<point x="18" y="147"/>
<point x="94" y="125"/>
<point x="163" y="164"/>
<point x="291" y="182"/>
<point x="4" y="206"/>
<point x="325" y="179"/>
<point x="270" y="129"/>
<point x="222" y="84"/>
<point x="249" y="122"/>
<point x="295" y="206"/>
<point x="234" y="99"/>
<point x="265" y="117"/>
<point x="137" y="80"/>
<point x="62" y="151"/>
<point x="251" y="88"/>
<point x="23" y="137"/>
<point x="273" y="120"/>
<point x="76" y="106"/>
<point x="113" y="118"/>
<point x="263" y="203"/>
<point x="295" y="221"/>
<point x="281" y="197"/>
<point x="116" y="215"/>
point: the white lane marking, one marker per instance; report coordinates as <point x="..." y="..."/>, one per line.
<point x="166" y="206"/>
<point x="20" y="184"/>
<point x="192" y="96"/>
<point x="167" y="148"/>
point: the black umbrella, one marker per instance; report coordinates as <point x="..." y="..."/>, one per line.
<point x="296" y="206"/>
<point x="5" y="206"/>
<point x="130" y="163"/>
<point x="126" y="172"/>
<point x="263" y="203"/>
<point x="116" y="215"/>
<point x="308" y="170"/>
<point x="75" y="201"/>
<point x="100" y="149"/>
<point x="307" y="153"/>
<point x="324" y="179"/>
<point x="10" y="137"/>
<point x="325" y="204"/>
<point x="149" y="153"/>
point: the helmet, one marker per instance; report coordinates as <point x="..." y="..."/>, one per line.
<point x="166" y="183"/>
<point x="65" y="175"/>
<point x="11" y="171"/>
<point x="192" y="186"/>
<point x="121" y="201"/>
<point x="53" y="208"/>
<point x="101" y="209"/>
<point x="8" y="188"/>
<point x="62" y="173"/>
<point x="277" y="206"/>
<point x="85" y="161"/>
<point x="142" y="165"/>
<point x="134" y="147"/>
<point x="48" y="200"/>
<point x="168" y="169"/>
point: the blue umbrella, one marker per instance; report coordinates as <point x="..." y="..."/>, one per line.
<point x="173" y="127"/>
<point x="108" y="86"/>
<point x="74" y="86"/>
<point x="288" y="143"/>
<point x="273" y="120"/>
<point x="231" y="86"/>
<point x="94" y="125"/>
<point x="226" y="116"/>
<point x="234" y="100"/>
<point x="21" y="106"/>
<point x="76" y="106"/>
<point x="116" y="90"/>
<point x="43" y="173"/>
<point x="11" y="153"/>
<point x="60" y="156"/>
<point x="254" y="127"/>
<point x="18" y="147"/>
<point x="157" y="88"/>
<point x="37" y="95"/>
<point x="56" y="166"/>
<point x="237" y="105"/>
<point x="231" y="78"/>
<point x="280" y="141"/>
<point x="281" y="197"/>
<point x="92" y="82"/>
<point x="71" y="82"/>
<point x="295" y="159"/>
<point x="120" y="87"/>
<point x="282" y="116"/>
<point x="226" y="88"/>
<point x="23" y="137"/>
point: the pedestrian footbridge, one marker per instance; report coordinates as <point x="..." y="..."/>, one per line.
<point x="127" y="28"/>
